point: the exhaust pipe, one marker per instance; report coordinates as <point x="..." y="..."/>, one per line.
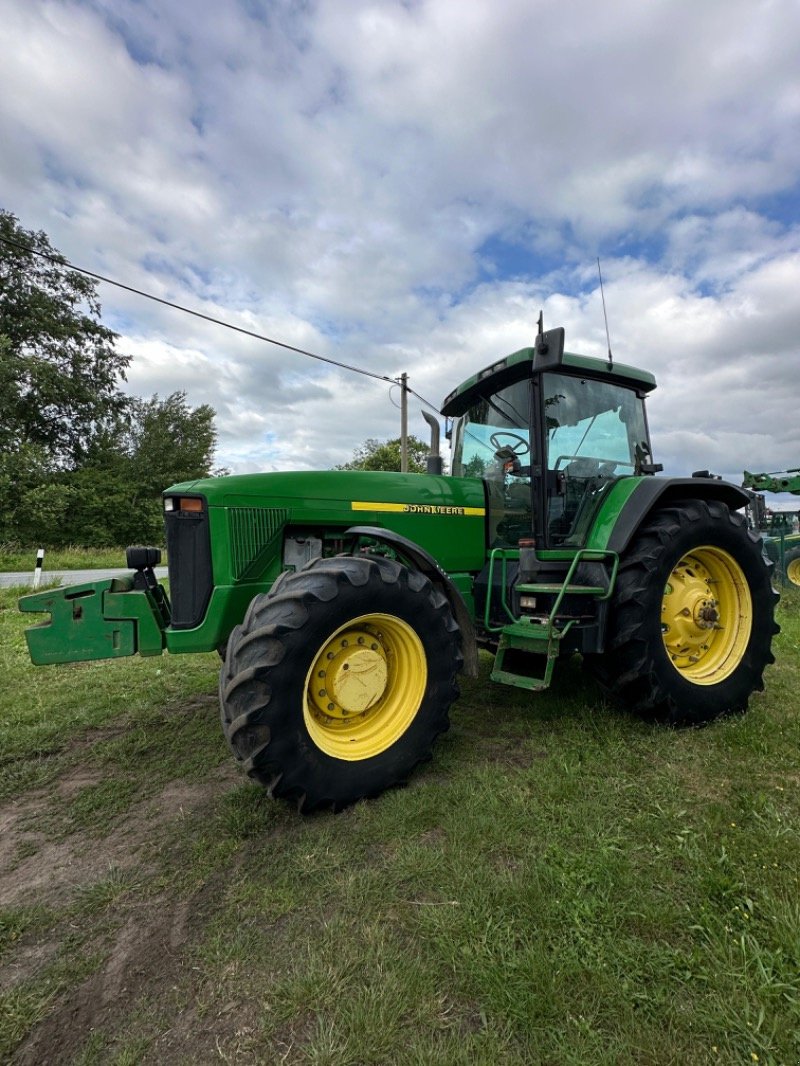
<point x="434" y="462"/>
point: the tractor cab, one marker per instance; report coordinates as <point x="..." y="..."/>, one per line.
<point x="549" y="432"/>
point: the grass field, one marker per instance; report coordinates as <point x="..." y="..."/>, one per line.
<point x="561" y="884"/>
<point x="14" y="559"/>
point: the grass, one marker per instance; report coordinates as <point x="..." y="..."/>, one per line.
<point x="16" y="559"/>
<point x="561" y="884"/>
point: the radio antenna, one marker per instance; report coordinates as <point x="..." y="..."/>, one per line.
<point x="605" y="316"/>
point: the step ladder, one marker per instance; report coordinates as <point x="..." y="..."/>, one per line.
<point x="543" y="635"/>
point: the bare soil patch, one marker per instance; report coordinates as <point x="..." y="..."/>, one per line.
<point x="141" y="942"/>
<point x="57" y="870"/>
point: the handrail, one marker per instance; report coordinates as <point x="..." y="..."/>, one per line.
<point x="603" y="556"/>
<point x="503" y="553"/>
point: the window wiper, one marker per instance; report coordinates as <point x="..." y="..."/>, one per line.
<point x="520" y="423"/>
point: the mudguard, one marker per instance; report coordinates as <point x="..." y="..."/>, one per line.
<point x="652" y="491"/>
<point x="426" y="564"/>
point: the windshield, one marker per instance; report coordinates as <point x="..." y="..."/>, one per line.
<point x="592" y="419"/>
<point x="596" y="432"/>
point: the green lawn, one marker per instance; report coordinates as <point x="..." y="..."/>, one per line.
<point x="14" y="559"/>
<point x="561" y="884"/>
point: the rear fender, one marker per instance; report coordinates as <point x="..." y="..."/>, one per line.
<point x="652" y="492"/>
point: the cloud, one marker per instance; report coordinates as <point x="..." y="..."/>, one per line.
<point x="401" y="186"/>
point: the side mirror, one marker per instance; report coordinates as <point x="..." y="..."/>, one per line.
<point x="548" y="351"/>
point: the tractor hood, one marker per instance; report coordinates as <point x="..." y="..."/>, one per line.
<point x="306" y="487"/>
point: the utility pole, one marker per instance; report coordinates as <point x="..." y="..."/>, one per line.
<point x="404" y="423"/>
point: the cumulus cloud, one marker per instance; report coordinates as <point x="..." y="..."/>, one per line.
<point x="402" y="185"/>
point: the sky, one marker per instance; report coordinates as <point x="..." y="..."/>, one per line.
<point x="402" y="185"/>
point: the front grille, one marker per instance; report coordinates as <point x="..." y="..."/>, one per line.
<point x="252" y="530"/>
<point x="189" y="563"/>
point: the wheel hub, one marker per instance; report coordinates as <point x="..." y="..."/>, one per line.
<point x="689" y="610"/>
<point x="706" y="615"/>
<point x="365" y="686"/>
<point x="351" y="675"/>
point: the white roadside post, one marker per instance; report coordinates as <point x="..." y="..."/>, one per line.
<point x="37" y="573"/>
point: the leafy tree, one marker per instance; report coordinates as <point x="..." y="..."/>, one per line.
<point x="58" y="365"/>
<point x="169" y="442"/>
<point x="79" y="461"/>
<point x="385" y="455"/>
<point x="117" y="493"/>
<point x="476" y="467"/>
<point x="27" y="504"/>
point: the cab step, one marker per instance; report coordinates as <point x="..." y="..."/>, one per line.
<point x="543" y="635"/>
<point x="534" y="637"/>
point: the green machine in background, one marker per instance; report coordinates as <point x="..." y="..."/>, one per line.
<point x="781" y="536"/>
<point x="346" y="603"/>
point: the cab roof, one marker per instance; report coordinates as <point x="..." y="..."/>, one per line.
<point x="525" y="362"/>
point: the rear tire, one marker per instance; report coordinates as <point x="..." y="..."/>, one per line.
<point x="336" y="687"/>
<point x="792" y="566"/>
<point x="691" y="620"/>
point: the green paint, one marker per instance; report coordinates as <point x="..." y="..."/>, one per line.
<point x="620" y="372"/>
<point x="608" y="515"/>
<point x="99" y="620"/>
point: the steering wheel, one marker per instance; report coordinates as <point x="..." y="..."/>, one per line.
<point x="518" y="445"/>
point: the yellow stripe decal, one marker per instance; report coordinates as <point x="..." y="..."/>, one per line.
<point x="418" y="508"/>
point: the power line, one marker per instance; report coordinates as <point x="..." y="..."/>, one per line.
<point x="422" y="399"/>
<point x="60" y="261"/>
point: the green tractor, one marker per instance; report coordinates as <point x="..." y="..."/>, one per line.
<point x="781" y="538"/>
<point x="346" y="603"/>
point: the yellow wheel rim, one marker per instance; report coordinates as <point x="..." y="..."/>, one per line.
<point x="365" y="687"/>
<point x="706" y="615"/>
<point x="793" y="571"/>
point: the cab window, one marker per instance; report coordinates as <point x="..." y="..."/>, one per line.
<point x="493" y="442"/>
<point x="595" y="434"/>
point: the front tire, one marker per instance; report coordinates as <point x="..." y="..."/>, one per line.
<point x="336" y="687"/>
<point x="691" y="621"/>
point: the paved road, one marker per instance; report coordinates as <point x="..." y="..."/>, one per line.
<point x="67" y="577"/>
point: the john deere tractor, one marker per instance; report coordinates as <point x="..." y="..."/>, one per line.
<point x="346" y="603"/>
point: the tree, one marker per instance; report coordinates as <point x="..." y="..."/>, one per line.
<point x="116" y="494"/>
<point x="170" y="442"/>
<point x="79" y="461"/>
<point x="31" y="502"/>
<point x="58" y="365"/>
<point x="385" y="455"/>
<point x="476" y="467"/>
